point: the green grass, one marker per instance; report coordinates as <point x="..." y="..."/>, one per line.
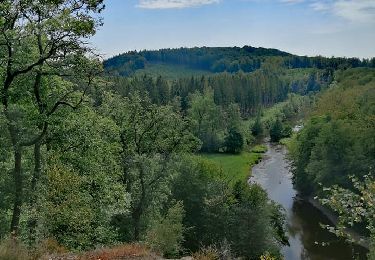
<point x="235" y="167"/>
<point x="260" y="148"/>
<point x="171" y="71"/>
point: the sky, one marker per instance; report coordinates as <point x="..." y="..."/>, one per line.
<point x="302" y="27"/>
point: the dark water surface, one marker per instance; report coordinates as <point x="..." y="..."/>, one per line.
<point x="303" y="219"/>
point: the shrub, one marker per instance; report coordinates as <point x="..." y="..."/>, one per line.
<point x="267" y="256"/>
<point x="214" y="253"/>
<point x="259" y="149"/>
<point x="207" y="253"/>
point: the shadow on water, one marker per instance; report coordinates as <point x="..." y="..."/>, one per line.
<point x="306" y="236"/>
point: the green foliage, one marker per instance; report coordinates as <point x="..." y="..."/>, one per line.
<point x="276" y="131"/>
<point x="167" y="71"/>
<point x="205" y="115"/>
<point x="151" y="137"/>
<point x="257" y="127"/>
<point x="91" y="161"/>
<point x="330" y="156"/>
<point x="251" y="91"/>
<point x="247" y="221"/>
<point x="166" y="234"/>
<point x="86" y="145"/>
<point x="220" y="59"/>
<point x="208" y="59"/>
<point x="68" y="209"/>
<point x="214" y="207"/>
<point x="233" y="142"/>
<point x="294" y="108"/>
<point x="37" y="82"/>
<point x="260" y="148"/>
<point x="354" y="207"/>
<point x="338" y="140"/>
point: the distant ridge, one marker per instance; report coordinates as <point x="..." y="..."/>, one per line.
<point x="221" y="59"/>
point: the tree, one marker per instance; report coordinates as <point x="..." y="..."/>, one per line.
<point x="276" y="130"/>
<point x="257" y="127"/>
<point x="82" y="188"/>
<point x="205" y="114"/>
<point x="40" y="43"/>
<point x="191" y="186"/>
<point x="150" y="137"/>
<point x="254" y="226"/>
<point x="233" y="142"/>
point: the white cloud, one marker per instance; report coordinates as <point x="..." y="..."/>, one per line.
<point x="355" y="10"/>
<point x="320" y="6"/>
<point x="169" y="4"/>
<point x="358" y="11"/>
<point x="352" y="10"/>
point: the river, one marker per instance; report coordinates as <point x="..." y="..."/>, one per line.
<point x="303" y="220"/>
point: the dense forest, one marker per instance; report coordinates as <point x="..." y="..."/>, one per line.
<point x="94" y="155"/>
<point x="224" y="59"/>
<point x="268" y="85"/>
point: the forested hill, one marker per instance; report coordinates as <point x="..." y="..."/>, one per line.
<point x="220" y="59"/>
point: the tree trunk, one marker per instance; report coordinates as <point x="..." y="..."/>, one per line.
<point x="137" y="223"/>
<point x="33" y="196"/>
<point x="18" y="191"/>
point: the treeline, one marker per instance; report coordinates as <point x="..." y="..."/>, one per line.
<point x="84" y="166"/>
<point x="224" y="59"/>
<point x="266" y="86"/>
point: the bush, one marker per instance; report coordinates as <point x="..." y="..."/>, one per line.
<point x="261" y="148"/>
<point x="214" y="253"/>
<point x="207" y="253"/>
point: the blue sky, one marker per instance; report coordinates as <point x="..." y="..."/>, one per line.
<point x="304" y="27"/>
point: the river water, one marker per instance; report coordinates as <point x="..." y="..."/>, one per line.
<point x="303" y="220"/>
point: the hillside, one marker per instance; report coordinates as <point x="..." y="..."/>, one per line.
<point x="184" y="61"/>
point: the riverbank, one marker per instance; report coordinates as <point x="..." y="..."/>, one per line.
<point x="330" y="214"/>
<point x="308" y="240"/>
<point x="358" y="239"/>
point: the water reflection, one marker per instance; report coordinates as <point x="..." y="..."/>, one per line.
<point x="303" y="219"/>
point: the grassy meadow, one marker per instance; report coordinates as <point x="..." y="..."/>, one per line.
<point x="237" y="167"/>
